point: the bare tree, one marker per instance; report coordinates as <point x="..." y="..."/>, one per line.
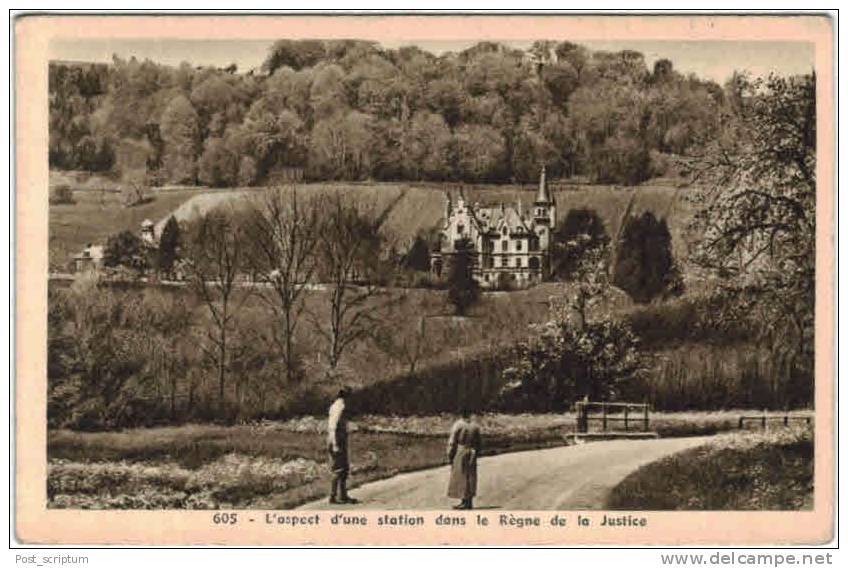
<point x="216" y="259"/>
<point x="349" y="248"/>
<point x="406" y="336"/>
<point x="284" y="233"/>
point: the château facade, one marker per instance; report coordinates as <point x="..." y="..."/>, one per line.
<point x="509" y="246"/>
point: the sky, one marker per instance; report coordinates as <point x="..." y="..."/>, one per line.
<point x="714" y="60"/>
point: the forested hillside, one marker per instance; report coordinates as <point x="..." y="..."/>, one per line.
<point x="351" y="110"/>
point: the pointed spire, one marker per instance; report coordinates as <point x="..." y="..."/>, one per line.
<point x="543" y="196"/>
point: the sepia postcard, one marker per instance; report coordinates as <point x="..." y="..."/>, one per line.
<point x="424" y="279"/>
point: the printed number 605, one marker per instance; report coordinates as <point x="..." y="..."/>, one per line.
<point x="225" y="518"/>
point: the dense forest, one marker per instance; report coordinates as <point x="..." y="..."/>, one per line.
<point x="352" y="110"/>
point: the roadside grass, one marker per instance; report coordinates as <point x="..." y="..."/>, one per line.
<point x="207" y="467"/>
<point x="762" y="470"/>
<point x="282" y="464"/>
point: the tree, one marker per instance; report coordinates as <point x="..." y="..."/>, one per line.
<point x="418" y="256"/>
<point x="215" y="260"/>
<point x="755" y="201"/>
<point x="340" y="146"/>
<point x="407" y="342"/>
<point x="349" y="248"/>
<point x="218" y="166"/>
<point x="169" y="246"/>
<point x="125" y="249"/>
<point x="644" y="265"/>
<point x="463" y="290"/>
<point x="480" y="152"/>
<point x="426" y="153"/>
<point x="582" y="230"/>
<point x="296" y="54"/>
<point x="180" y="126"/>
<point x="284" y="231"/>
<point x="580" y="351"/>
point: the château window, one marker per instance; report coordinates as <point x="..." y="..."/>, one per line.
<point x="504" y="245"/>
<point x="460" y="229"/>
<point x="534" y="244"/>
<point x="518" y="245"/>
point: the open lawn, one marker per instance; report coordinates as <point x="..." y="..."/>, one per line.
<point x="763" y="470"/>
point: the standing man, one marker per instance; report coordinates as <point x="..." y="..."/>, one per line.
<point x="337" y="446"/>
<point x="463" y="448"/>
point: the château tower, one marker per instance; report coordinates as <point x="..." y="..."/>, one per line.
<point x="544" y="212"/>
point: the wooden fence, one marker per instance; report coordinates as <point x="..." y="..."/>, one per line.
<point x="608" y="413"/>
<point x="765" y="419"/>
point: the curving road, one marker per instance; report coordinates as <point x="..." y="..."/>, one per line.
<point x="566" y="478"/>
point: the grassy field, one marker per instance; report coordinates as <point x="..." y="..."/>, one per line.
<point x="763" y="470"/>
<point x="98" y="211"/>
<point x="282" y="464"/>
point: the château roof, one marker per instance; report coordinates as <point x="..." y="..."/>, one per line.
<point x="495" y="218"/>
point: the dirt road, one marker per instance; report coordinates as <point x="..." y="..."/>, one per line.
<point x="567" y="478"/>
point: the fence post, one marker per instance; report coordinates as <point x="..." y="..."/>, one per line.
<point x="764" y="418"/>
<point x="625" y="417"/>
<point x="645" y="418"/>
<point x="604" y="409"/>
<point x="786" y="419"/>
<point x="741" y="422"/>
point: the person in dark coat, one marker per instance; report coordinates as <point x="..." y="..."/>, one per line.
<point x="338" y="449"/>
<point x="463" y="448"/>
